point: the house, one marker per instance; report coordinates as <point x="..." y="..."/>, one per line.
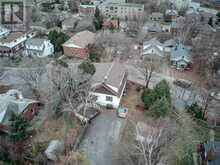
<point x="153" y="48"/>
<point x="111" y="23"/>
<point x="69" y="24"/>
<point x="152" y="27"/>
<point x="181" y="4"/>
<point x="77" y="46"/>
<point x="170" y="15"/>
<point x="109" y="83"/>
<point x="124" y="11"/>
<point x="166" y="27"/>
<point x="169" y="45"/>
<point x="156" y="16"/>
<point x="88" y="8"/>
<point x="38" y="47"/>
<point x="13" y="102"/>
<point x="181" y="57"/>
<point x="12" y="43"/>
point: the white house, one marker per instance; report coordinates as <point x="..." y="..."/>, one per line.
<point x="153" y="47"/>
<point x="181" y="4"/>
<point x="12" y="43"/>
<point x="109" y="83"/>
<point x="38" y="47"/>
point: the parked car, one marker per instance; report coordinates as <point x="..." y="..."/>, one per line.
<point x="122" y="112"/>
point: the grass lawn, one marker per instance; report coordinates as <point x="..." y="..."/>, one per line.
<point x="63" y="128"/>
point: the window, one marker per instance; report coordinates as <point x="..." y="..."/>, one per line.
<point x="109" y="98"/>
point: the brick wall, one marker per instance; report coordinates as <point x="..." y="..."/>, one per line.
<point x="31" y="111"/>
<point x="76" y="52"/>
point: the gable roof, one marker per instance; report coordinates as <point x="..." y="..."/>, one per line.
<point x="153" y="44"/>
<point x="109" y="73"/>
<point x="11" y="37"/>
<point x="181" y="52"/>
<point x="152" y="27"/>
<point x="35" y="42"/>
<point x="81" y="40"/>
<point x="12" y="102"/>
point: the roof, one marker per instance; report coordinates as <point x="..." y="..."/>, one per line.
<point x="181" y="52"/>
<point x="11" y="37"/>
<point x="170" y="42"/>
<point x="157" y="14"/>
<point x="216" y="147"/>
<point x="35" y="42"/>
<point x="153" y="41"/>
<point x="12" y="102"/>
<point x="81" y="40"/>
<point x="110" y="73"/>
<point x="124" y="4"/>
<point x="171" y="12"/>
<point x="152" y="27"/>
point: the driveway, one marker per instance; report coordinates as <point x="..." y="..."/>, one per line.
<point x="102" y="134"/>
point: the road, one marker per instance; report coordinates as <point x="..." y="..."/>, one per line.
<point x="102" y="135"/>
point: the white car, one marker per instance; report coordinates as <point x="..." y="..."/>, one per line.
<point x="122" y="112"/>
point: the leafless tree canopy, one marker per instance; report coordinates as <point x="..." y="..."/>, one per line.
<point x="157" y="135"/>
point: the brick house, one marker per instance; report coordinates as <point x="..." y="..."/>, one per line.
<point x="13" y="102"/>
<point x="111" y="23"/>
<point x="77" y="46"/>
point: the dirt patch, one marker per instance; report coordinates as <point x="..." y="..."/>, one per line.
<point x="133" y="102"/>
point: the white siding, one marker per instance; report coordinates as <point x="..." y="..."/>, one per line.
<point x="101" y="99"/>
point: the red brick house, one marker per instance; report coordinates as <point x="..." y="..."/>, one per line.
<point x="77" y="46"/>
<point x="111" y="23"/>
<point x="13" y="102"/>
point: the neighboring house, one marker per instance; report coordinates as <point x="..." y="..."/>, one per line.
<point x="77" y="46"/>
<point x="166" y="27"/>
<point x="109" y="83"/>
<point x="169" y="45"/>
<point x="181" y="4"/>
<point x="170" y="15"/>
<point x="38" y="47"/>
<point x="152" y="27"/>
<point x="156" y="16"/>
<point x="126" y="11"/>
<point x="69" y="24"/>
<point x="13" y="102"/>
<point x="87" y="8"/>
<point x="181" y="57"/>
<point x="153" y="48"/>
<point x="12" y="43"/>
<point x="111" y="23"/>
<point x="3" y="31"/>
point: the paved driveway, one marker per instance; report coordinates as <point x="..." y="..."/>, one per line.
<point x="102" y="134"/>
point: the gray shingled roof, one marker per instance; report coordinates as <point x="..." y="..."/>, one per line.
<point x="180" y="52"/>
<point x="35" y="42"/>
<point x="12" y="102"/>
<point x="110" y="73"/>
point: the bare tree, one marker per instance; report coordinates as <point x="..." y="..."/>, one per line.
<point x="74" y="89"/>
<point x="145" y="143"/>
